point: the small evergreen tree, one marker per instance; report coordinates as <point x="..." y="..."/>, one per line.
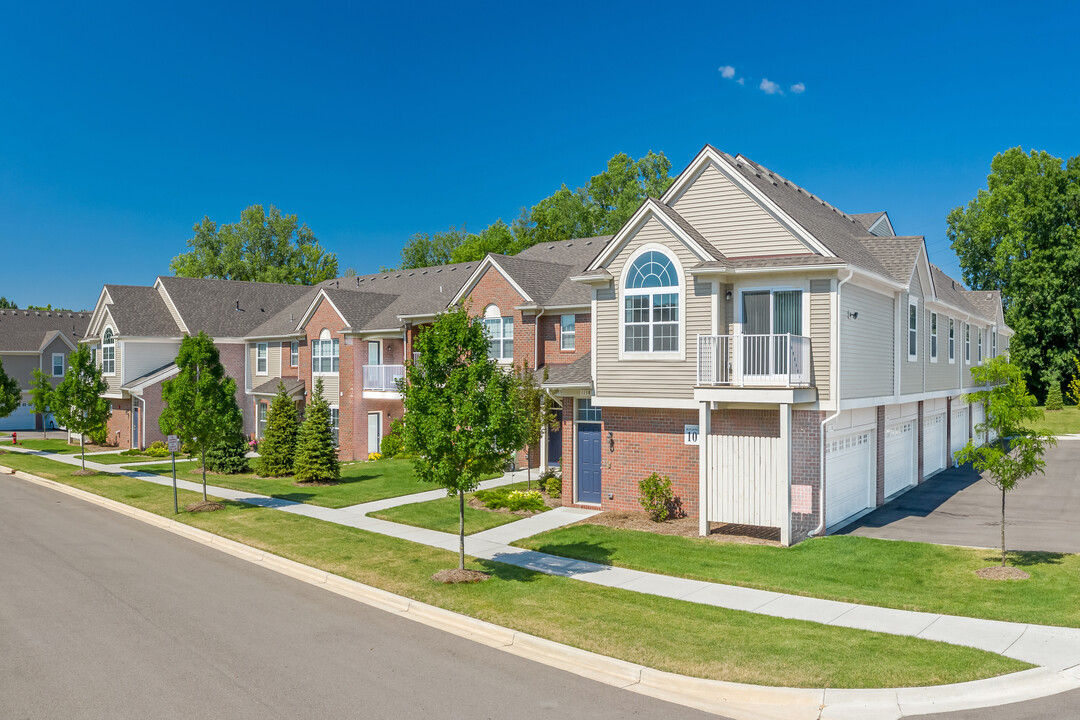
<point x="316" y="457"/>
<point x="277" y="450"/>
<point x="77" y="402"/>
<point x="1074" y="383"/>
<point x="41" y="392"/>
<point x="1054" y="400"/>
<point x="228" y="456"/>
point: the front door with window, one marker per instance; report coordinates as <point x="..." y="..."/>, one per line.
<point x="374" y="432"/>
<point x="768" y="317"/>
<point x="589" y="452"/>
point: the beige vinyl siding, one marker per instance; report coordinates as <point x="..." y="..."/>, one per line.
<point x="965" y="376"/>
<point x="866" y="343"/>
<point x="820" y="336"/>
<point x="331" y="385"/>
<point x="172" y="310"/>
<point x="115" y="380"/>
<point x="728" y="327"/>
<point x="940" y="375"/>
<point x="143" y="357"/>
<point x="22" y="367"/>
<point x="731" y="220"/>
<point x="273" y="359"/>
<point x="273" y="363"/>
<point x="671" y="379"/>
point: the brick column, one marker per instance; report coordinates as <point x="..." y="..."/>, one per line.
<point x="922" y="476"/>
<point x="880" y="494"/>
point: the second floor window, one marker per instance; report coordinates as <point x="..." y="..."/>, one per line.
<point x="967" y="343"/>
<point x="913" y="331"/>
<point x="108" y="353"/>
<point x="58" y="365"/>
<point x="324" y="354"/>
<point x="566" y="332"/>
<point x="980" y="345"/>
<point x="261" y="360"/>
<point x="294" y="353"/>
<point x="263" y="408"/>
<point x="993" y="343"/>
<point x="500" y="332"/>
<point x="933" y="337"/>
<point x="952" y="339"/>
<point x="334" y="428"/>
<point x="651" y="305"/>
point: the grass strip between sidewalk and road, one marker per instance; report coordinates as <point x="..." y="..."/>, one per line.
<point x="887" y="573"/>
<point x="658" y="632"/>
<point x="442" y="514"/>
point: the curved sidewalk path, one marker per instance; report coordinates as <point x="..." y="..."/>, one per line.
<point x="1055" y="648"/>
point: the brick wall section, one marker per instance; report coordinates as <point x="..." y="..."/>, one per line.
<point x="325" y="317"/>
<point x="120" y="422"/>
<point x="806" y="468"/>
<point x="234" y="357"/>
<point x="152" y="407"/>
<point x="920" y="444"/>
<point x="880" y="435"/>
<point x="567" y="466"/>
<point x="286" y="355"/>
<point x="551" y="342"/>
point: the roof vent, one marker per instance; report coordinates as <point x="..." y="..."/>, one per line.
<point x="237" y="306"/>
<point x="357" y="282"/>
<point x="589" y="242"/>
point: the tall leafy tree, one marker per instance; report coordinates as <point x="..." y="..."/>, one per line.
<point x="316" y="457"/>
<point x="10" y="394"/>
<point x="41" y="392"/>
<point x="462" y="412"/>
<point x="200" y="401"/>
<point x="277" y="451"/>
<point x="1017" y="452"/>
<point x="1021" y="235"/>
<point x="265" y="246"/>
<point x="6" y="304"/>
<point x="425" y="250"/>
<point x="77" y="403"/>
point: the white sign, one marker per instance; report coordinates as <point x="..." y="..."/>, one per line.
<point x="690" y="435"/>
<point x="174" y="443"/>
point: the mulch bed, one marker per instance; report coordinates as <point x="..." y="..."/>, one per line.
<point x="85" y="473"/>
<point x="204" y="506"/>
<point x="686" y="527"/>
<point x="316" y="483"/>
<point x="1002" y="573"/>
<point x="457" y="576"/>
<point x="550" y="502"/>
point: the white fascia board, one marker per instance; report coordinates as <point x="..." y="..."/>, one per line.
<point x="648" y="209"/>
<point x="419" y="317"/>
<point x="98" y="315"/>
<point x="160" y="286"/>
<point x="4" y="353"/>
<point x="271" y="338"/>
<point x="637" y="402"/>
<point x="876" y="282"/>
<point x="156" y="377"/>
<point x="389" y="333"/>
<point x="801" y="269"/>
<point x="565" y="309"/>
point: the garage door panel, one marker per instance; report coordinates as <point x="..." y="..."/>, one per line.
<point x="933" y="443"/>
<point x="21" y="419"/>
<point x="900" y="468"/>
<point x="959" y="433"/>
<point x="850" y="475"/>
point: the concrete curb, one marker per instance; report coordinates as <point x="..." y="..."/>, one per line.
<point x="736" y="700"/>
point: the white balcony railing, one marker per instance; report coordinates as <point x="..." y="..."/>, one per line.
<point x="754" y="360"/>
<point x="383" y="377"/>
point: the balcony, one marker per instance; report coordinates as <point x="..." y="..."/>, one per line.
<point x="382" y="378"/>
<point x="754" y="361"/>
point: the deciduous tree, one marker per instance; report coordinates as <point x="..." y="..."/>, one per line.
<point x="462" y="412"/>
<point x="41" y="392"/>
<point x="10" y="395"/>
<point x="77" y="403"/>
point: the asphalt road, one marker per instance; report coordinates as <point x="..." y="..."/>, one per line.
<point x="104" y="617"/>
<point x="956" y="507"/>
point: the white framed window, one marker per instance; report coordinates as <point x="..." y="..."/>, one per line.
<point x="952" y="340"/>
<point x="967" y="343"/>
<point x="261" y="358"/>
<point x="566" y="332"/>
<point x="263" y="408"/>
<point x="500" y="332"/>
<point x="58" y="364"/>
<point x="993" y="342"/>
<point x="108" y="353"/>
<point x="913" y="331"/>
<point x="334" y="416"/>
<point x="933" y="337"/>
<point x="93" y="356"/>
<point x="324" y="354"/>
<point x="980" y="345"/>
<point x="294" y="354"/>
<point x="651" y="302"/>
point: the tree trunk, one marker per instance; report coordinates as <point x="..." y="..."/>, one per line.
<point x="202" y="454"/>
<point x="82" y="448"/>
<point x="461" y="529"/>
<point x="1002" y="527"/>
<point x="528" y="466"/>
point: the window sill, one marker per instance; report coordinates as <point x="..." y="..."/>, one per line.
<point x="630" y="355"/>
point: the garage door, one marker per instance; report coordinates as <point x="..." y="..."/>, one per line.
<point x="933" y="443"/>
<point x="900" y="467"/>
<point x="850" y="475"/>
<point x="21" y="419"/>
<point x="977" y="416"/>
<point x="959" y="433"/>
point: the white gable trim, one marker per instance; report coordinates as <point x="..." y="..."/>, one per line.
<point x="160" y="286"/>
<point x="708" y="154"/>
<point x="98" y="315"/>
<point x="487" y="262"/>
<point x="648" y="209"/>
<point x="313" y="306"/>
<point x="882" y="222"/>
<point x="49" y="340"/>
<point x="926" y="276"/>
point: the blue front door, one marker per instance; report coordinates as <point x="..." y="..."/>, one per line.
<point x="588" y="462"/>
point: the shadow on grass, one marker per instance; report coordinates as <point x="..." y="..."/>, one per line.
<point x="1027" y="558"/>
<point x="587" y="551"/>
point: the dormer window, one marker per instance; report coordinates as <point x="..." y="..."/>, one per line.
<point x="108" y="353"/>
<point x="651" y="318"/>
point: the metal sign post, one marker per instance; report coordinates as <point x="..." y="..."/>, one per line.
<point x="174" y="445"/>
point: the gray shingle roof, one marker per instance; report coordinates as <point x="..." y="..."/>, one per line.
<point x="986" y="302"/>
<point x="897" y="255"/>
<point x="867" y="219"/>
<point x="229" y="308"/>
<point x="146" y="376"/>
<point x="953" y="292"/>
<point x="293" y="386"/>
<point x="139" y="311"/>
<point x="575" y="254"/>
<point x="578" y="372"/>
<point x="32" y="330"/>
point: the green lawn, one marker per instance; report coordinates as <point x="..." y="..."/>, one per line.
<point x="442" y="515"/>
<point x="1060" y="422"/>
<point x="360" y="482"/>
<point x="658" y="632"/>
<point x="56" y="445"/>
<point x="118" y="459"/>
<point x="905" y="575"/>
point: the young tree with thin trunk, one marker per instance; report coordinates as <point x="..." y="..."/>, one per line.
<point x="200" y="401"/>
<point x="76" y="402"/>
<point x="41" y="392"/>
<point x="316" y="454"/>
<point x="1017" y="451"/>
<point x="463" y="414"/>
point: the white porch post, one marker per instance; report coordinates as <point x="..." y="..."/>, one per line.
<point x="784" y="479"/>
<point x="704" y="428"/>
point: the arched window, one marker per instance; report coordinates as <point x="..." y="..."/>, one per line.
<point x="651" y="305"/>
<point x="500" y="332"/>
<point x="324" y="354"/>
<point x="108" y="353"/>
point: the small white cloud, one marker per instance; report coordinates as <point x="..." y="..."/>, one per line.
<point x="798" y="88"/>
<point x="769" y="87"/>
<point x="741" y="81"/>
<point x="727" y="72"/>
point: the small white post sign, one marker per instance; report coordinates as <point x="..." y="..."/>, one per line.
<point x="690" y="435"/>
<point x="174" y="443"/>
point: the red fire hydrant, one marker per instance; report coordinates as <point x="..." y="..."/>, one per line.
<point x="14" y="438"/>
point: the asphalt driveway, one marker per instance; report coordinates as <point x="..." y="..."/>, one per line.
<point x="956" y="507"/>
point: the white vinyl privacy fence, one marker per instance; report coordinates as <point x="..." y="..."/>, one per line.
<point x="747" y="484"/>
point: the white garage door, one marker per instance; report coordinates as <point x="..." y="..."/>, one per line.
<point x="959" y="433"/>
<point x="21" y="419"/>
<point x="900" y="467"/>
<point x="933" y="443"/>
<point x="850" y="475"/>
<point x="977" y="416"/>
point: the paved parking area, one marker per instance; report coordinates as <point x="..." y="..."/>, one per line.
<point x="956" y="507"/>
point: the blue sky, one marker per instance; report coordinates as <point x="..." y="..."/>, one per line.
<point x="122" y="126"/>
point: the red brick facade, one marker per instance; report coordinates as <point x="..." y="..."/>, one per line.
<point x="806" y="468"/>
<point x="551" y="352"/>
<point x="119" y="424"/>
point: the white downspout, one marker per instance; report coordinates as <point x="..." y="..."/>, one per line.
<point x="836" y="394"/>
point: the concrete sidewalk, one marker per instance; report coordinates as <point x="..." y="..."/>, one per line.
<point x="1051" y="647"/>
